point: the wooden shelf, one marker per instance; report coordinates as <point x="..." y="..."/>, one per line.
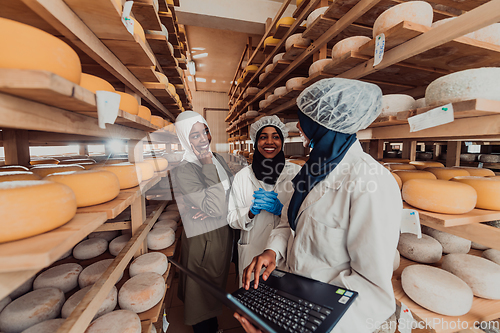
<point x="294" y="52"/>
<point x="387" y="121"/>
<point x="146" y="14"/>
<point x="159" y="45"/>
<point x="300" y="9"/>
<point x="144" y="74"/>
<point x="168" y="21"/>
<point x="112" y="208"/>
<point x="269" y="48"/>
<point x="283" y="29"/>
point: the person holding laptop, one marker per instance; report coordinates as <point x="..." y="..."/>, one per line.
<point x="259" y="190"/>
<point x="342" y="223"/>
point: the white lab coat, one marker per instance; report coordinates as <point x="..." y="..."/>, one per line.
<point x="255" y="232"/>
<point x="347" y="233"/>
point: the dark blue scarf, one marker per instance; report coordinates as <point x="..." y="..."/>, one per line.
<point x="328" y="149"/>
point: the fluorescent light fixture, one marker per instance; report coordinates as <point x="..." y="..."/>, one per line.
<point x="201" y="55"/>
<point x="213" y="81"/>
<point x="192" y="67"/>
<point x="198" y="48"/>
<point x="200" y="79"/>
<point x="116" y="146"/>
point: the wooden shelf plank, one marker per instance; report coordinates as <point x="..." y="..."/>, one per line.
<point x="146" y="326"/>
<point x="111" y="226"/>
<point x="133" y="53"/>
<point x="464" y="109"/>
<point x="144" y="73"/>
<point x="146" y="14"/>
<point x="269" y="48"/>
<point x="318" y="27"/>
<point x="159" y="45"/>
<point x="294" y="52"/>
<point x="387" y="121"/>
<point x="160" y="91"/>
<point x="112" y="208"/>
<point x="42" y="250"/>
<point x="134" y="121"/>
<point x="9" y="281"/>
<point x="300" y="8"/>
<point x="283" y="29"/>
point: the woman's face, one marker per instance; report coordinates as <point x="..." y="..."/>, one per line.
<point x="269" y="142"/>
<point x="200" y="137"/>
<point x="305" y="140"/>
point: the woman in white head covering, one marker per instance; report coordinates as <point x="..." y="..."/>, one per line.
<point x="202" y="182"/>
<point x="260" y="190"/>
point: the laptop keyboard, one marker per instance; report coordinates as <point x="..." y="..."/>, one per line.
<point x="289" y="312"/>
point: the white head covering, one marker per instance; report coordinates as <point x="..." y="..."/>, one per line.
<point x="183" y="126"/>
<point x="268" y="121"/>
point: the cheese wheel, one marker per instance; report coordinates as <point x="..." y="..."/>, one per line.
<point x="157" y="121"/>
<point x="23" y="288"/>
<point x="32" y="207"/>
<point x="4" y="302"/>
<point x="48" y="326"/>
<point x="92" y="273"/>
<point x="33" y="308"/>
<point x="262" y="76"/>
<point x="45" y="170"/>
<point x="426" y="250"/>
<point x="167" y="224"/>
<point x="479" y="172"/>
<point x="117" y="244"/>
<point x="108" y="305"/>
<point x="32" y="48"/>
<point x="252" y="90"/>
<point x="171" y="88"/>
<point x="64" y="277"/>
<point x="171" y="207"/>
<point x="271" y="98"/>
<point x="144" y="112"/>
<point x="138" y="30"/>
<point x="162" y="32"/>
<point x="77" y="161"/>
<point x="490" y="254"/>
<point x="155" y="262"/>
<point x="94" y="83"/>
<point x="170" y="215"/>
<point x="440" y="196"/>
<point x="314" y="15"/>
<point x="419" y="12"/>
<point x="406" y="175"/>
<point x="437" y="290"/>
<point x="8" y="176"/>
<point x="396" y="160"/>
<point x="449" y="242"/>
<point x="350" y="44"/>
<point x="447" y="173"/>
<point x="44" y="161"/>
<point x="488" y="190"/>
<point x="280" y="91"/>
<point x="400" y="183"/>
<point x="162" y="78"/>
<point x="420" y="165"/>
<point x="278" y="57"/>
<point x="128" y="103"/>
<point x="285" y="21"/>
<point x="295" y="82"/>
<point x="141" y="292"/>
<point x="263" y="104"/>
<point x="270" y="40"/>
<point x="318" y="66"/>
<point x="420" y="103"/>
<point x="90" y="248"/>
<point x="478" y="246"/>
<point x="399" y="166"/>
<point x="8" y="168"/>
<point x="297" y="40"/>
<point x="91" y="187"/>
<point x="160" y="238"/>
<point x="147" y="170"/>
<point x="107" y="235"/>
<point x="119" y="321"/>
<point x="158" y="163"/>
<point x="394" y="103"/>
<point x="129" y="175"/>
<point x="251" y="114"/>
<point x="489" y="158"/>
<point x="269" y="68"/>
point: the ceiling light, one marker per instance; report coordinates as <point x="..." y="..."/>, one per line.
<point x="213" y="81"/>
<point x="201" y="55"/>
<point x="198" y="48"/>
<point x="192" y="67"/>
<point x="200" y="79"/>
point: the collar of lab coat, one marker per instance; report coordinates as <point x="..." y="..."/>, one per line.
<point x="284" y="173"/>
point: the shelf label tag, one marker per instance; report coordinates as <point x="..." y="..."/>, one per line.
<point x="108" y="104"/>
<point x="379" y="49"/>
<point x="405" y="322"/>
<point x="410" y="222"/>
<point x="432" y="118"/>
<point x="126" y="19"/>
<point x="166" y="324"/>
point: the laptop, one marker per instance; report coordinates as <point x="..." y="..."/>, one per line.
<point x="286" y="302"/>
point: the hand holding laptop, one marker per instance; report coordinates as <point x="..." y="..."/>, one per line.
<point x="266" y="259"/>
<point x="247" y="326"/>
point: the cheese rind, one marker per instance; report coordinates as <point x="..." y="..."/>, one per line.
<point x="128" y="103"/>
<point x="117" y="244"/>
<point x="107" y="235"/>
<point x="350" y="44"/>
<point x="420" y="165"/>
<point x="419" y="12"/>
<point x="399" y="166"/>
<point x="90" y="248"/>
<point x="94" y="83"/>
<point x="166" y="223"/>
<point x="160" y="238"/>
<point x="64" y="277"/>
<point x="158" y="163"/>
<point x="23" y="288"/>
<point x="144" y="112"/>
<point x="426" y="250"/>
<point x="155" y="262"/>
<point x="119" y="321"/>
<point x="479" y="172"/>
<point x="141" y="292"/>
<point x="129" y="175"/>
<point x="406" y="175"/>
<point x="107" y="305"/>
<point x="92" y="273"/>
<point x="447" y="173"/>
<point x="487" y="188"/>
<point x="8" y="176"/>
<point x="45" y="170"/>
<point x="48" y="326"/>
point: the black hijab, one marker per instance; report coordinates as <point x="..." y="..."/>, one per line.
<point x="268" y="170"/>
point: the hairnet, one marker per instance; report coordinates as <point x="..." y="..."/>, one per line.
<point x="341" y="105"/>
<point x="268" y="121"/>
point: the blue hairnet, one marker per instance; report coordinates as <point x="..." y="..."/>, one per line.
<point x="341" y="105"/>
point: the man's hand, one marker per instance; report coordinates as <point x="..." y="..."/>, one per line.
<point x="247" y="326"/>
<point x="266" y="259"/>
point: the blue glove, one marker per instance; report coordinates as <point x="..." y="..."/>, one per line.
<point x="265" y="195"/>
<point x="255" y="208"/>
<point x="268" y="201"/>
<point x="261" y="197"/>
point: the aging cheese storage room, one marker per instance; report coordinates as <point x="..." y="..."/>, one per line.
<point x="348" y="151"/>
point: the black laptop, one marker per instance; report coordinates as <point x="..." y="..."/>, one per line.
<point x="286" y="302"/>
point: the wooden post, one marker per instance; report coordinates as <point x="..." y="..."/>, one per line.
<point x="269" y="22"/>
<point x="135" y="151"/>
<point x="409" y="150"/>
<point x="377" y="149"/>
<point x="138" y="216"/>
<point x="453" y="153"/>
<point x="436" y="151"/>
<point x="84" y="149"/>
<point x="16" y="146"/>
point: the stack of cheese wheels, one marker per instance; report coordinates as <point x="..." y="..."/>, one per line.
<point x="464" y="85"/>
<point x="157" y="121"/>
<point x="147" y="170"/>
<point x="90" y="248"/>
<point x="141" y="292"/>
<point x="129" y="175"/>
<point x="7" y="168"/>
<point x="107" y="235"/>
<point x="48" y="326"/>
<point x="160" y="238"/>
<point x="64" y="277"/>
<point x="314" y="15"/>
<point x="420" y="165"/>
<point x="394" y="103"/>
<point x="158" y="163"/>
<point x="440" y="196"/>
<point x="285" y="21"/>
<point x="479" y="172"/>
<point x="350" y="44"/>
<point x="119" y="321"/>
<point x="48" y="169"/>
<point x="92" y="273"/>
<point x="296" y="40"/>
<point x="144" y="112"/>
<point x="91" y="187"/>
<point x="33" y="308"/>
<point x="318" y="66"/>
<point x="32" y="207"/>
<point x="399" y="166"/>
<point x="94" y="83"/>
<point x="419" y="12"/>
<point x="44" y="161"/>
<point x="426" y="250"/>
<point x="406" y="175"/>
<point x="271" y="40"/>
<point x="128" y="103"/>
<point x="487" y="188"/>
<point x="33" y="49"/>
<point x="117" y="244"/>
<point x="107" y="306"/>
<point x="18" y="175"/>
<point x="155" y="262"/>
<point x="398" y="180"/>
<point x="447" y="173"/>
<point x="295" y="82"/>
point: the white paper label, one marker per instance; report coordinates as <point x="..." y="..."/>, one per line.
<point x="165" y="322"/>
<point x="405" y="320"/>
<point x="379" y="49"/>
<point x="126" y="19"/>
<point x="108" y="104"/>
<point x="432" y="118"/>
<point x="410" y="222"/>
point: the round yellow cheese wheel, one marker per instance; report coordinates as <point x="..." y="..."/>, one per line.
<point x="271" y="40"/>
<point x="91" y="187"/>
<point x="158" y="163"/>
<point x="480" y="172"/>
<point x="45" y="170"/>
<point x="129" y="175"/>
<point x="139" y="31"/>
<point x="298" y="2"/>
<point x="18" y="175"/>
<point x="398" y="179"/>
<point x="29" y="208"/>
<point x="32" y="48"/>
<point x="487" y="188"/>
<point x="171" y="88"/>
<point x="447" y="173"/>
<point x="251" y="68"/>
<point x="144" y="112"/>
<point x="44" y="161"/>
<point x="399" y="166"/>
<point x="128" y="103"/>
<point x="285" y="21"/>
<point x="406" y="175"/>
<point x="94" y="83"/>
<point x="157" y="121"/>
<point x="8" y="168"/>
<point x="420" y="165"/>
<point x="439" y="196"/>
<point x="162" y="78"/>
<point x="147" y="170"/>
